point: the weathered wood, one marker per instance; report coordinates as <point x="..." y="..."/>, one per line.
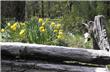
<point x="53" y="53"/>
<point x="99" y="33"/>
<point x="33" y="66"/>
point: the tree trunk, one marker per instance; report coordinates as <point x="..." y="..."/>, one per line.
<point x="20" y="10"/>
<point x="49" y="8"/>
<point x="42" y="10"/>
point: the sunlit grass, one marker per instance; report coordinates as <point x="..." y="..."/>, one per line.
<point x="77" y="41"/>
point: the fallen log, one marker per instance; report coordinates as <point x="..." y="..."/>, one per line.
<point x="31" y="66"/>
<point x="53" y="53"/>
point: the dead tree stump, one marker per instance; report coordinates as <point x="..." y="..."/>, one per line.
<point x="97" y="30"/>
<point x="99" y="33"/>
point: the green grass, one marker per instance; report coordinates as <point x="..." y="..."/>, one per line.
<point x="77" y="41"/>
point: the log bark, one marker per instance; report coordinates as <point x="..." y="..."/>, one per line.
<point x="35" y="66"/>
<point x="53" y="53"/>
<point x="99" y="34"/>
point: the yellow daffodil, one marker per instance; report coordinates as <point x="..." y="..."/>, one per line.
<point x="8" y="24"/>
<point x="13" y="27"/>
<point x="22" y="32"/>
<point x="55" y="30"/>
<point x="60" y="33"/>
<point x="2" y="30"/>
<point x="40" y="20"/>
<point x="43" y="24"/>
<point x="58" y="26"/>
<point x="52" y="24"/>
<point x="59" y="36"/>
<point x="42" y="29"/>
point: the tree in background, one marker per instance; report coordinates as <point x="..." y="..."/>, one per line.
<point x="13" y="9"/>
<point x="73" y="13"/>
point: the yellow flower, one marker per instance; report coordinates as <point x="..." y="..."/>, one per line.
<point x="2" y="30"/>
<point x="13" y="27"/>
<point x="55" y="30"/>
<point x="52" y="24"/>
<point x="40" y="20"/>
<point x="59" y="36"/>
<point x="58" y="26"/>
<point x="42" y="29"/>
<point x="22" y="32"/>
<point x="8" y="24"/>
<point x="60" y="33"/>
<point x="43" y="24"/>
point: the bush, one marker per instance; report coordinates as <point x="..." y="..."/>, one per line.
<point x="73" y="23"/>
<point x="76" y="40"/>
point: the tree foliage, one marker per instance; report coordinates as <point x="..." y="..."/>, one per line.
<point x="72" y="13"/>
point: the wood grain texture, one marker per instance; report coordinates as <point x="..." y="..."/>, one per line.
<point x="100" y="34"/>
<point x="53" y="53"/>
<point x="35" y="66"/>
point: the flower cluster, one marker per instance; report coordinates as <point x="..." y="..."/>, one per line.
<point x="54" y="27"/>
<point x="14" y="26"/>
<point x="14" y="30"/>
<point x="36" y="30"/>
<point x="57" y="29"/>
